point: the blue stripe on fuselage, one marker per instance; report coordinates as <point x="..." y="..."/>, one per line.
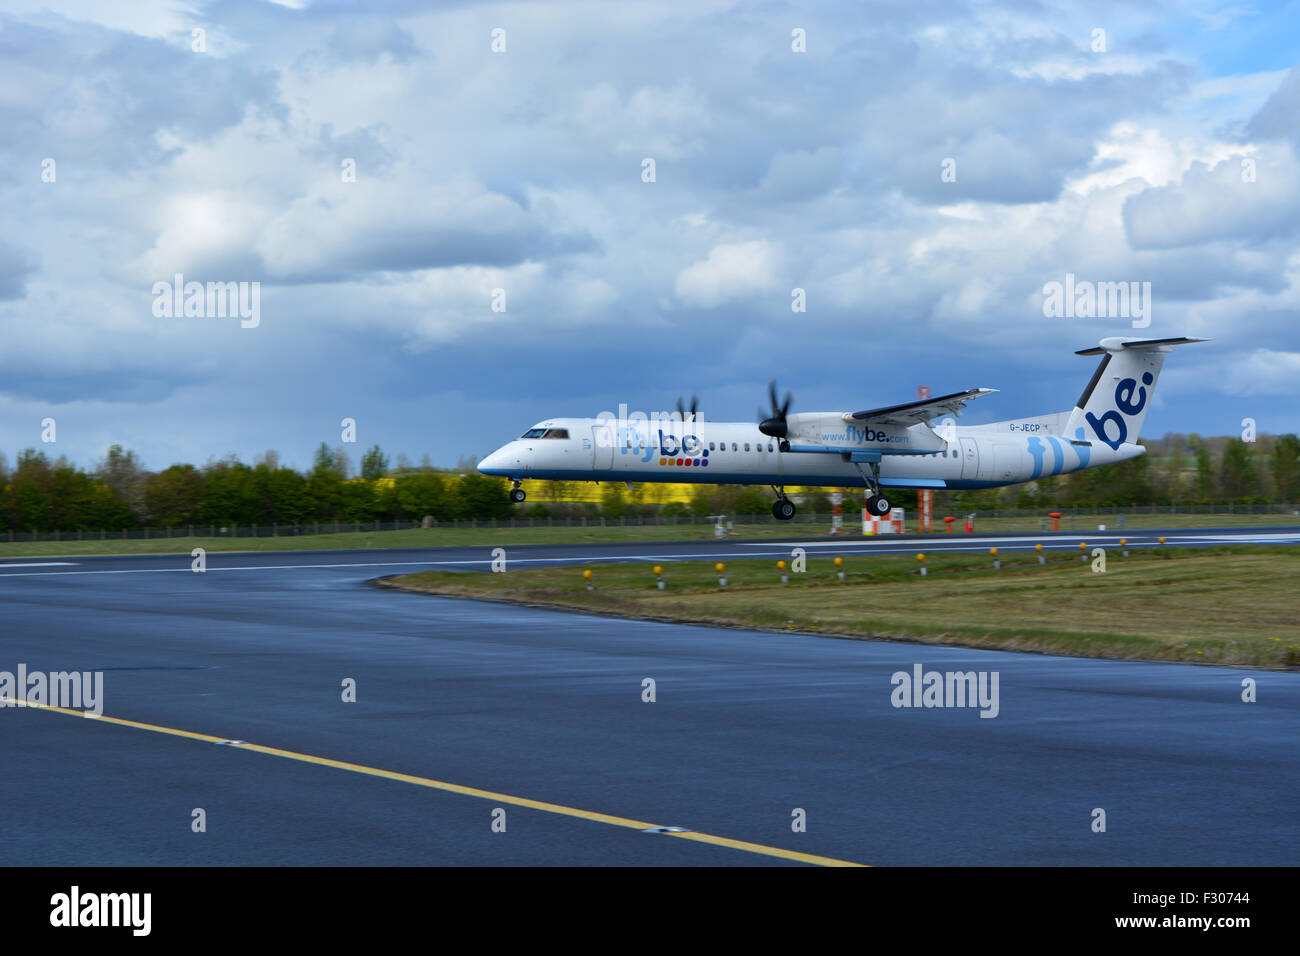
<point x="698" y="475"/>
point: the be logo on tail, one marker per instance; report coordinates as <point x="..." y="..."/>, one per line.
<point x="1125" y="403"/>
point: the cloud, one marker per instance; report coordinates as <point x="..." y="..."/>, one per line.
<point x="1277" y="118"/>
<point x="366" y="41"/>
<point x="521" y="171"/>
<point x="363" y="227"/>
<point x="736" y="270"/>
<point x="1249" y="197"/>
<point x="801" y="174"/>
<point x="1263" y="372"/>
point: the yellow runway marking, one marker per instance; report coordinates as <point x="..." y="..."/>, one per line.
<point x="450" y="787"/>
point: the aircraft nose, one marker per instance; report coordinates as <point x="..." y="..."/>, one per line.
<point x="497" y="463"/>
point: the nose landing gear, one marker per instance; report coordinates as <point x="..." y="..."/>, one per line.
<point x="517" y="494"/>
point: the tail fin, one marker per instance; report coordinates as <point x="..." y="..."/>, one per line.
<point x="1114" y="404"/>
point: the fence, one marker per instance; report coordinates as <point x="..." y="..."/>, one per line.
<point x="803" y="518"/>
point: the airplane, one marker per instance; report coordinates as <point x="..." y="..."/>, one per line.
<point x="892" y="447"/>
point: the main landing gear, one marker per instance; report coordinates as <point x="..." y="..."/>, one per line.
<point x="517" y="494"/>
<point x="783" y="508"/>
<point x="876" y="504"/>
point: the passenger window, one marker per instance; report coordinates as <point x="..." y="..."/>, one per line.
<point x="710" y="446"/>
<point x="746" y="446"/>
<point x="733" y="446"/>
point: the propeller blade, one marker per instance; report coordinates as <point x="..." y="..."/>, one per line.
<point x="775" y="424"/>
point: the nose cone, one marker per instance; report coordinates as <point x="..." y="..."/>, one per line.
<point x="498" y="463"/>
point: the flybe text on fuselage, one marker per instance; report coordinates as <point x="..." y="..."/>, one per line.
<point x="632" y="441"/>
<point x="853" y="435"/>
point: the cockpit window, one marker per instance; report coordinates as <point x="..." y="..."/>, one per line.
<point x="556" y="433"/>
<point x="534" y="433"/>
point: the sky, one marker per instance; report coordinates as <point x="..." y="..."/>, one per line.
<point x="446" y="211"/>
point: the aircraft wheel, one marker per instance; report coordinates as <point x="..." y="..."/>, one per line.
<point x="517" y="495"/>
<point x="783" y="509"/>
<point x="878" y="505"/>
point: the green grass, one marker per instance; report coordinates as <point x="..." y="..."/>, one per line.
<point x="159" y="543"/>
<point x="1231" y="606"/>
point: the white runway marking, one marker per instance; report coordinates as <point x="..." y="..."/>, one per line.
<point x="42" y="564"/>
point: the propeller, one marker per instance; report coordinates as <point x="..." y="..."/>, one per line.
<point x="681" y="410"/>
<point x="775" y="425"/>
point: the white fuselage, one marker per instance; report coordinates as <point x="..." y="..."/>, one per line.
<point x="984" y="456"/>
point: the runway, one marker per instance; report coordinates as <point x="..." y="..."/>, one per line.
<point x="403" y="560"/>
<point x="540" y="714"/>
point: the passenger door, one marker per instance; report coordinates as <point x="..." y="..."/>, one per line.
<point x="602" y="447"/>
<point x="970" y="459"/>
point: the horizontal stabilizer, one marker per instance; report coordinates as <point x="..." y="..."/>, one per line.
<point x="1117" y="342"/>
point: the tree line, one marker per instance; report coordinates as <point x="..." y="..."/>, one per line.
<point x="38" y="494"/>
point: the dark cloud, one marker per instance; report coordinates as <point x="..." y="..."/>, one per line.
<point x="16" y="265"/>
<point x="100" y="98"/>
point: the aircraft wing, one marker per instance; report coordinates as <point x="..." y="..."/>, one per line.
<point x="913" y="413"/>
